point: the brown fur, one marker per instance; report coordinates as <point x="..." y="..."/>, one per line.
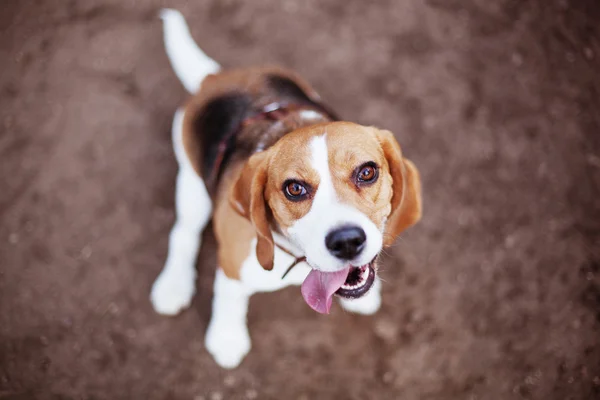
<point x="406" y="201"/>
<point x="234" y="232"/>
<point x="249" y="200"/>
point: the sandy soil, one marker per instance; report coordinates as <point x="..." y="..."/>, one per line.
<point x="495" y="295"/>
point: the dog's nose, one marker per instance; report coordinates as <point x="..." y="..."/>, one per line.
<point x="346" y="242"/>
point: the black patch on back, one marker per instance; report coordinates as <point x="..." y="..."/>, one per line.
<point x="287" y="89"/>
<point x="217" y="123"/>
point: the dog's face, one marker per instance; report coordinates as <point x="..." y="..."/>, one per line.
<point x="339" y="192"/>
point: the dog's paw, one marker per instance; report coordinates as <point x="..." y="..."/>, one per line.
<point x="172" y="292"/>
<point x="228" y="345"/>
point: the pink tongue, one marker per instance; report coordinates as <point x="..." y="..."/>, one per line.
<point x="318" y="288"/>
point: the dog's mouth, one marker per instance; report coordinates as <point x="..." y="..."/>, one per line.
<point x="358" y="282"/>
<point x="351" y="283"/>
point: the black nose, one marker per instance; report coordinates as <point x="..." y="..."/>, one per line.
<point x="346" y="242"/>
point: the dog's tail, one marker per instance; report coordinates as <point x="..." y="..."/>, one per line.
<point x="190" y="63"/>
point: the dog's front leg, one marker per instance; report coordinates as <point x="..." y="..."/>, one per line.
<point x="175" y="286"/>
<point x="227" y="337"/>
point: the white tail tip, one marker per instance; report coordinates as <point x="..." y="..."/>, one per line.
<point x="190" y="63"/>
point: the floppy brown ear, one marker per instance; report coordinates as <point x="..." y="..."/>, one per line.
<point x="247" y="198"/>
<point x="406" y="186"/>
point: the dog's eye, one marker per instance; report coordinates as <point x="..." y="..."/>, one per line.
<point x="294" y="190"/>
<point x="367" y="173"/>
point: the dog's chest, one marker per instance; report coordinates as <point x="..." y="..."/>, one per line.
<point x="257" y="279"/>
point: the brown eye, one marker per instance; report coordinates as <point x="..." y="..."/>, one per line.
<point x="294" y="190"/>
<point x="367" y="173"/>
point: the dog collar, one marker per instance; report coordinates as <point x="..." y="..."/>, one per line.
<point x="297" y="260"/>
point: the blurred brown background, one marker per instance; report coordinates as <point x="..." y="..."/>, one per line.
<point x="494" y="295"/>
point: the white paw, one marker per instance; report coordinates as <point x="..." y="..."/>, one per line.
<point x="172" y="291"/>
<point x="227" y="345"/>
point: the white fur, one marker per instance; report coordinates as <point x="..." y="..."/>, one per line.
<point x="310" y="114"/>
<point x="190" y="63"/>
<point x="327" y="213"/>
<point x="227" y="338"/>
<point x="175" y="286"/>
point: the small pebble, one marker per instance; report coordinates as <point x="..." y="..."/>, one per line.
<point x="430" y="122"/>
<point x="229" y="381"/>
<point x="589" y="276"/>
<point x="86" y="252"/>
<point x="216" y="396"/>
<point x="510" y="241"/>
<point x="388" y="377"/>
<point x="251" y="394"/>
<point x="593" y="160"/>
<point x="386" y="330"/>
<point x="131" y="333"/>
<point x="517" y="59"/>
<point x="588" y="53"/>
<point x="13" y="238"/>
<point x="112" y="308"/>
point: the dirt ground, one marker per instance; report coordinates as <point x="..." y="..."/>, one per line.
<point x="494" y="295"/>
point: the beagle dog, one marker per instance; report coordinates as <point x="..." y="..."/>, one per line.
<point x="296" y="196"/>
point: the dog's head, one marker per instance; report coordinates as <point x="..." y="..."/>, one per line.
<point x="339" y="192"/>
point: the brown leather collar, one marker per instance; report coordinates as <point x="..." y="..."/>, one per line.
<point x="277" y="111"/>
<point x="297" y="260"/>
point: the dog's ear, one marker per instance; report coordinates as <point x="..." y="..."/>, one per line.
<point x="248" y="199"/>
<point x="406" y="186"/>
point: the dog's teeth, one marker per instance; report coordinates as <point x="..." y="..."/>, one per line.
<point x="363" y="277"/>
